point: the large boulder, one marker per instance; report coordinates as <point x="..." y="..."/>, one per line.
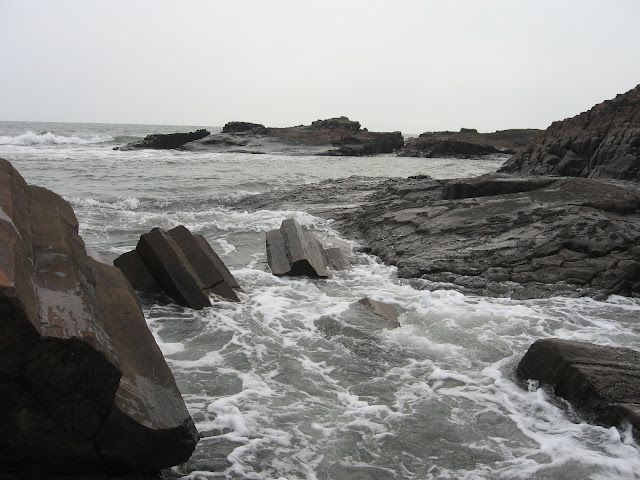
<point x="181" y="265"/>
<point x="603" y="142"/>
<point x="85" y="388"/>
<point x="601" y="382"/>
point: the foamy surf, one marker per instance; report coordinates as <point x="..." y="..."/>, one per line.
<point x="48" y="138"/>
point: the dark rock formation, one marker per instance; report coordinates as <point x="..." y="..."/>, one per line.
<point x="363" y="320"/>
<point x="336" y="259"/>
<point x="334" y="136"/>
<point x="293" y="251"/>
<point x="603" y="142"/>
<point x="601" y="382"/>
<point x="84" y="389"/>
<point x="166" y="141"/>
<point x="243" y="127"/>
<point x="507" y="235"/>
<point x="182" y="265"/>
<point x="467" y="143"/>
<point x="444" y="147"/>
<point x="501" y="235"/>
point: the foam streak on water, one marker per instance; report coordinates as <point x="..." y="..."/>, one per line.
<point x="274" y="395"/>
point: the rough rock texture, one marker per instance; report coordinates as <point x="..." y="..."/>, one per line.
<point x="336" y="259"/>
<point x="84" y="387"/>
<point x="334" y="136"/>
<point x="166" y="141"/>
<point x="182" y="265"/>
<point x="500" y="235"/>
<point x="508" y="235"/>
<point x="384" y="310"/>
<point x="466" y="143"/>
<point x="293" y="251"/>
<point x="603" y="142"/>
<point x="602" y="382"/>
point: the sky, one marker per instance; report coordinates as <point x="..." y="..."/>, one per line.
<point x="408" y="65"/>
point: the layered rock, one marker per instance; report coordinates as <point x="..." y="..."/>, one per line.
<point x="293" y="251"/>
<point x="166" y="141"/>
<point x="467" y="143"/>
<point x="85" y="388"/>
<point x="181" y="265"/>
<point x="603" y="142"/>
<point x="601" y="382"/>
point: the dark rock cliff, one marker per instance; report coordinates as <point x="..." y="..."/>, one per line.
<point x="603" y="142"/>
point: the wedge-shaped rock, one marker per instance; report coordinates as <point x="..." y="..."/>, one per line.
<point x="602" y="382"/>
<point x="336" y="258"/>
<point x="180" y="264"/>
<point x="293" y="251"/>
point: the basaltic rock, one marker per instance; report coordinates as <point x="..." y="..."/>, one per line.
<point x="601" y="382"/>
<point x="84" y="388"/>
<point x="603" y="142"/>
<point x="179" y="264"/>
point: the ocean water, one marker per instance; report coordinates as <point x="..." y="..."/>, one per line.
<point x="273" y="395"/>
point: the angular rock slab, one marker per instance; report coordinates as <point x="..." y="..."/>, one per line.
<point x="77" y="353"/>
<point x="292" y="251"/>
<point x="602" y="382"/>
<point x="180" y="264"/>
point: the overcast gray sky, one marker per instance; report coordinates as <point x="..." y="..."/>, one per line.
<point x="404" y="65"/>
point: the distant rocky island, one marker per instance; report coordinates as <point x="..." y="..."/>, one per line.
<point x="338" y="137"/>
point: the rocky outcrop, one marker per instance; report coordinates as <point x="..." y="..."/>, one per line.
<point x="601" y="382"/>
<point x="501" y="235"/>
<point x="603" y="142"/>
<point x="334" y="136"/>
<point x="467" y="143"/>
<point x="181" y="265"/>
<point x="507" y="235"/>
<point x="84" y="387"/>
<point x="294" y="251"/>
<point x="166" y="141"/>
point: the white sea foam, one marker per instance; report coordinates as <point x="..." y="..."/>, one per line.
<point x="48" y="138"/>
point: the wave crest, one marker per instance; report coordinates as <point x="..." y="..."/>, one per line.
<point x="48" y="138"/>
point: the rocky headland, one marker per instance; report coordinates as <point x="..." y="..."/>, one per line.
<point x="467" y="143"/>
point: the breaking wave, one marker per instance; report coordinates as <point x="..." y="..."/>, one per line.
<point x="48" y="138"/>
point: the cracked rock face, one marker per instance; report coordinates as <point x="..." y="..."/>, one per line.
<point x="603" y="142"/>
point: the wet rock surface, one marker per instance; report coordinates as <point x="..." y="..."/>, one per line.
<point x="85" y="389"/>
<point x="603" y="142"/>
<point x="601" y="382"/>
<point x="363" y="320"/>
<point x="181" y="265"/>
<point x="498" y="235"/>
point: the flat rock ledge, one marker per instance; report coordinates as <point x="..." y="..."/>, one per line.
<point x="167" y="141"/>
<point x="85" y="390"/>
<point x="293" y="251"/>
<point x="603" y="383"/>
<point x="180" y="265"/>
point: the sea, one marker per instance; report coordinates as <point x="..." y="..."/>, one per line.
<point x="273" y="395"/>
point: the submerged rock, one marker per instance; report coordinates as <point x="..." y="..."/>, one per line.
<point x="601" y="382"/>
<point x="181" y="265"/>
<point x="84" y="387"/>
<point x="603" y="142"/>
<point x="363" y="320"/>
